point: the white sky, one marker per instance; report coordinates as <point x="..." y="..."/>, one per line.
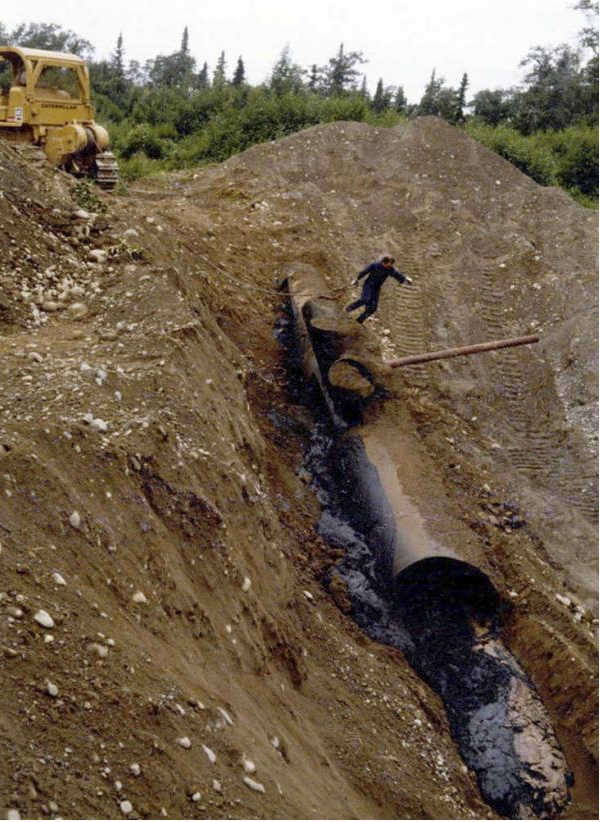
<point x="403" y="40"/>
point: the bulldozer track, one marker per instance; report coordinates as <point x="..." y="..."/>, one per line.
<point x="407" y="319"/>
<point x="107" y="170"/>
<point x="532" y="445"/>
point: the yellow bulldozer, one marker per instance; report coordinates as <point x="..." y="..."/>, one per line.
<point x="45" y="102"/>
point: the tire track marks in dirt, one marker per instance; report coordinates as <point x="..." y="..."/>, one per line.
<point x="533" y="437"/>
<point x="408" y="317"/>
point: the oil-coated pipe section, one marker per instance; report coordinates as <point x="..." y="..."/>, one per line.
<point x="304" y="284"/>
<point x="345" y="360"/>
<point x="337" y="351"/>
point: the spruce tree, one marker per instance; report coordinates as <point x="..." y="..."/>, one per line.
<point x="202" y="81"/>
<point x="118" y="81"/>
<point x="286" y="75"/>
<point x="314" y="78"/>
<point x="219" y="73"/>
<point x="379" y="98"/>
<point x="186" y="63"/>
<point x="116" y="59"/>
<point x="341" y="73"/>
<point x="135" y="74"/>
<point x="461" y="100"/>
<point x="239" y="76"/>
<point x="185" y="43"/>
<point x="400" y="101"/>
<point x="429" y="103"/>
<point x="382" y="100"/>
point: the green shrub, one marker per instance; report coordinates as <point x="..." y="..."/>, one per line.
<point x="143" y="138"/>
<point x="349" y="107"/>
<point x="165" y="131"/>
<point x="223" y="138"/>
<point x="387" y="119"/>
<point x="117" y="131"/>
<point x="139" y="165"/>
<point x="568" y="158"/>
<point x="295" y="111"/>
<point x="157" y="105"/>
<point x="194" y="114"/>
<point x="257" y="123"/>
<point x="189" y="151"/>
<point x="85" y="195"/>
<point x="586" y="200"/>
<point x="106" y="109"/>
<point x="578" y="161"/>
<point x="526" y="153"/>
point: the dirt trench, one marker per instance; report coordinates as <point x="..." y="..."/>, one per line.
<point x="153" y="502"/>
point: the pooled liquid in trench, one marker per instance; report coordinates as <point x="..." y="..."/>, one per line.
<point x="449" y="634"/>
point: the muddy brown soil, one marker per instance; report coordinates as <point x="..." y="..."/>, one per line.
<point x="153" y="503"/>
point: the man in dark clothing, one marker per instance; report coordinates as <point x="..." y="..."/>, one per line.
<point x="378" y="273"/>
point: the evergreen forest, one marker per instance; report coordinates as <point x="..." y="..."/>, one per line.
<point x="174" y="112"/>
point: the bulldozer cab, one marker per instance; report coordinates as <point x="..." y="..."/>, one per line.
<point x="42" y="88"/>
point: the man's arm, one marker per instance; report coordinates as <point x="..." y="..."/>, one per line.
<point x="363" y="273"/>
<point x="402" y="278"/>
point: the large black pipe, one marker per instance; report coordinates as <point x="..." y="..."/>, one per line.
<point x="444" y="612"/>
<point x="369" y="485"/>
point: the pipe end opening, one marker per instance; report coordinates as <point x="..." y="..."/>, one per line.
<point x="448" y="584"/>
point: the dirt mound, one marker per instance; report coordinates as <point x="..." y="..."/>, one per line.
<point x="153" y="506"/>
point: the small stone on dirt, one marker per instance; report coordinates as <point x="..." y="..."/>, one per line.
<point x="98" y="649"/>
<point x="248" y="765"/>
<point x="255" y="786"/>
<point x="212" y="757"/>
<point x="44" y="619"/>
